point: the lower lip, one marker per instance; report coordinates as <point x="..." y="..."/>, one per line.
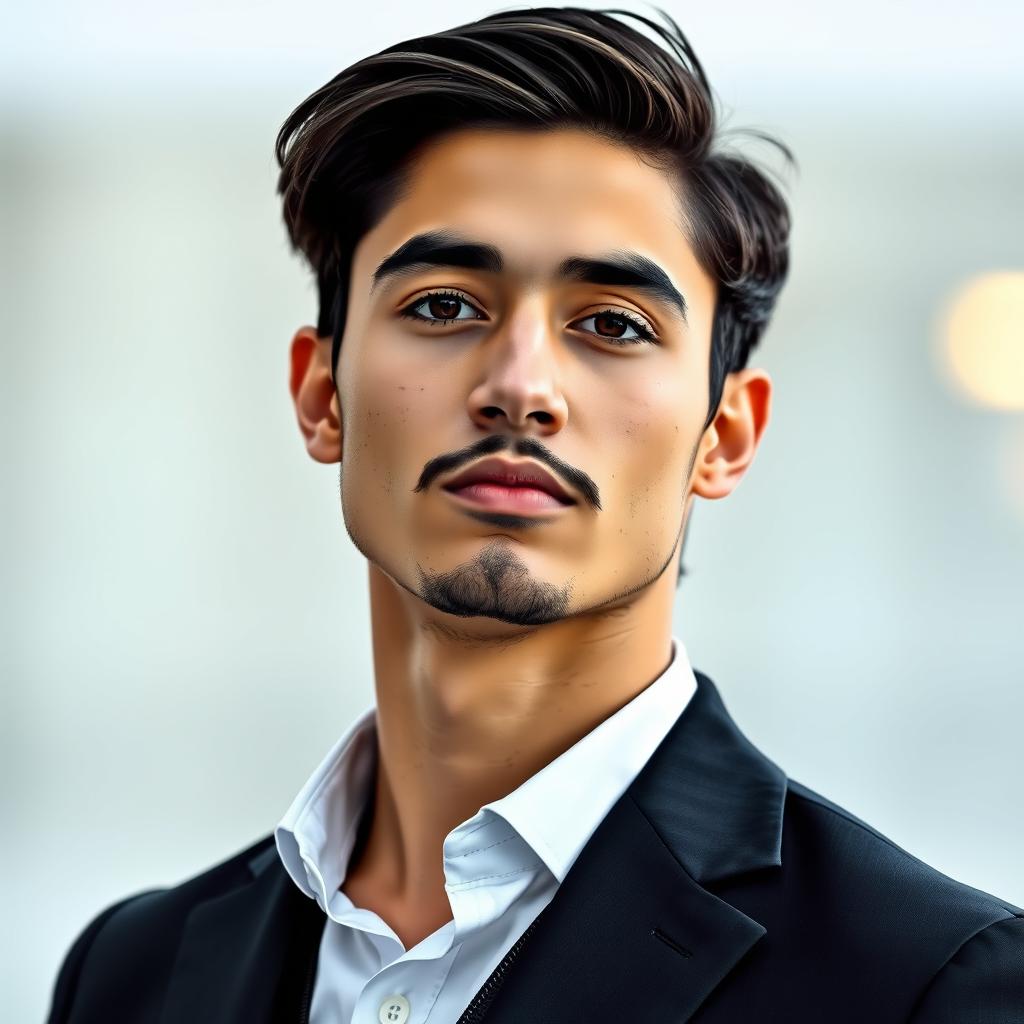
<point x="508" y="499"/>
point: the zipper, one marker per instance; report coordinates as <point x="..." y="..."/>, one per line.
<point x="477" y="1009"/>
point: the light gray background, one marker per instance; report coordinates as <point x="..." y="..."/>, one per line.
<point x="185" y="624"/>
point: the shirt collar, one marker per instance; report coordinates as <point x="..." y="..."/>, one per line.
<point x="318" y="831"/>
<point x="551" y="811"/>
<point x="557" y="810"/>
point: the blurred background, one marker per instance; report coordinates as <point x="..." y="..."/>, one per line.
<point x="185" y="621"/>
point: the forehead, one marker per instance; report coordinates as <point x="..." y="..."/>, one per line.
<point x="538" y="195"/>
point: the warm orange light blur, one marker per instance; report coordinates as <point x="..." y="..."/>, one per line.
<point x="984" y="339"/>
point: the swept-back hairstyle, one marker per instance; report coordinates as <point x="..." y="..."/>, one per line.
<point x="345" y="151"/>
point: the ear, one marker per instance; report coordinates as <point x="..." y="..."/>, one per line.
<point x="314" y="395"/>
<point x="731" y="440"/>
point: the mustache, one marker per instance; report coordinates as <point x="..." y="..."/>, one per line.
<point x="529" y="447"/>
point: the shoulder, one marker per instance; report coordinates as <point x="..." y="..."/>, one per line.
<point x="963" y="946"/>
<point x="133" y="942"/>
<point x="868" y="857"/>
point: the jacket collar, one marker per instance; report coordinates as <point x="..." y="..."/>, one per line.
<point x="713" y="798"/>
<point x="245" y="956"/>
<point x="631" y="933"/>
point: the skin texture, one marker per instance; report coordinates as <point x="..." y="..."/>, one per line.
<point x="497" y="647"/>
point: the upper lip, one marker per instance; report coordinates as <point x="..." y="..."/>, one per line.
<point x="500" y="471"/>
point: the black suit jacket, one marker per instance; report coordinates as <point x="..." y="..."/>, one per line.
<point x="715" y="890"/>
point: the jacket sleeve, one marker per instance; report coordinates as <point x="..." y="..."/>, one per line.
<point x="71" y="969"/>
<point x="981" y="983"/>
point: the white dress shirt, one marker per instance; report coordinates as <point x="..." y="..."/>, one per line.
<point x="502" y="866"/>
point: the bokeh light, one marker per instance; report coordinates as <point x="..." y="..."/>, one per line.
<point x="984" y="339"/>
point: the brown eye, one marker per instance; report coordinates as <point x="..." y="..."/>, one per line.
<point x="610" y="325"/>
<point x="608" y="322"/>
<point x="444" y="309"/>
<point x="441" y="308"/>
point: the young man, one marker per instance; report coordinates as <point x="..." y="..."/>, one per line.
<point x="539" y="288"/>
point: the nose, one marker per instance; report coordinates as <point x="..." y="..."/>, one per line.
<point x="521" y="377"/>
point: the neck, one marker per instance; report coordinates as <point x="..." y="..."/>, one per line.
<point x="468" y="709"/>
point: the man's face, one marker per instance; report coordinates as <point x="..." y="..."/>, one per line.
<point x="551" y="369"/>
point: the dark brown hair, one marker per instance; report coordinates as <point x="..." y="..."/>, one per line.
<point x="345" y="150"/>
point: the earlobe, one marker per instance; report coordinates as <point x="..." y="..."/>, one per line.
<point x="314" y="396"/>
<point x="732" y="439"/>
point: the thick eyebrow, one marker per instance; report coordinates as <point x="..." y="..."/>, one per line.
<point x="621" y="267"/>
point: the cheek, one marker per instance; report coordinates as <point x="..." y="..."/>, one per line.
<point x="394" y="423"/>
<point x="649" y="442"/>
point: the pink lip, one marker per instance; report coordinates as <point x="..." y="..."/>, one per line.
<point x="500" y="498"/>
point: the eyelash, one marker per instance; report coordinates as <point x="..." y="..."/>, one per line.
<point x="641" y="328"/>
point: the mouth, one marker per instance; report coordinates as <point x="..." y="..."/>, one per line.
<point x="502" y="485"/>
<point x="523" y="500"/>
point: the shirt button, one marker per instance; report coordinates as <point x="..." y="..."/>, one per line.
<point x="394" y="1010"/>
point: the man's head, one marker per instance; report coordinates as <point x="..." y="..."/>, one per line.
<point x="525" y="246"/>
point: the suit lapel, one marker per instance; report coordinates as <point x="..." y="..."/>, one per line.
<point x="244" y="956"/>
<point x="632" y="933"/>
